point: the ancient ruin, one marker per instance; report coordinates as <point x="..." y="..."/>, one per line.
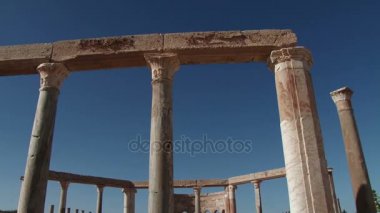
<point x="310" y="186"/>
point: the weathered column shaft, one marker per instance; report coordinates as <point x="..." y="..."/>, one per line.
<point x="197" y="199"/>
<point x="33" y="191"/>
<point x="129" y="200"/>
<point x="256" y="185"/>
<point x="161" y="198"/>
<point x="361" y="185"/>
<point x="99" y="202"/>
<point x="226" y="200"/>
<point x="332" y="189"/>
<point x="63" y="198"/>
<point x="305" y="163"/>
<point x="231" y="198"/>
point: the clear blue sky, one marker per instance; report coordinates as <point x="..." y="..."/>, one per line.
<point x="100" y="112"/>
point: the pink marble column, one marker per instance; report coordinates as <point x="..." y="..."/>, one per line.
<point x="361" y="185"/>
<point x="305" y="162"/>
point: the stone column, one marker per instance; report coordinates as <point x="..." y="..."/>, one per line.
<point x="359" y="175"/>
<point x="99" y="202"/>
<point x="161" y="198"/>
<point x="231" y="198"/>
<point x="197" y="199"/>
<point x="52" y="209"/>
<point x="129" y="200"/>
<point x="33" y="191"/>
<point x="256" y="185"/>
<point x="305" y="163"/>
<point x="226" y="200"/>
<point x="332" y="189"/>
<point x="63" y="198"/>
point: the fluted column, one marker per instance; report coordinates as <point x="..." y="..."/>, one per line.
<point x="33" y="191"/>
<point x="99" y="201"/>
<point x="305" y="163"/>
<point x="361" y="185"/>
<point x="197" y="199"/>
<point x="256" y="186"/>
<point x="161" y="198"/>
<point x="129" y="200"/>
<point x="231" y="198"/>
<point x="63" y="198"/>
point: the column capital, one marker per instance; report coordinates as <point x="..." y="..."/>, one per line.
<point x="342" y="94"/>
<point x="288" y="54"/>
<point x="100" y="187"/>
<point x="231" y="187"/>
<point x="197" y="188"/>
<point x="129" y="190"/>
<point x="52" y="75"/>
<point x="64" y="184"/>
<point x="256" y="183"/>
<point x="163" y="65"/>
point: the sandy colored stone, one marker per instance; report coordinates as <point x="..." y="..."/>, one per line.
<point x="227" y="46"/>
<point x="102" y="53"/>
<point x="23" y="59"/>
<point x="128" y="51"/>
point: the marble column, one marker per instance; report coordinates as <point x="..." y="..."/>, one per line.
<point x="359" y="175"/>
<point x="161" y="198"/>
<point x="63" y="198"/>
<point x="231" y="198"/>
<point x="129" y="200"/>
<point x="197" y="199"/>
<point x="33" y="191"/>
<point x="332" y="189"/>
<point x="256" y="185"/>
<point x="305" y="163"/>
<point x="99" y="202"/>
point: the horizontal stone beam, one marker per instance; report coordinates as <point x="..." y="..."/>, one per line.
<point x="117" y="183"/>
<point x="85" y="179"/>
<point x="260" y="176"/>
<point x="128" y="51"/>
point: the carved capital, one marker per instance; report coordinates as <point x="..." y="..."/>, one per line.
<point x="52" y="75"/>
<point x="288" y="54"/>
<point x="100" y="188"/>
<point x="256" y="184"/>
<point x="342" y="94"/>
<point x="129" y="190"/>
<point x="64" y="184"/>
<point x="163" y="65"/>
<point x="197" y="190"/>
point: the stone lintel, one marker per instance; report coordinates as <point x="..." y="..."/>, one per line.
<point x="260" y="176"/>
<point x="128" y="51"/>
<point x="117" y="183"/>
<point x="23" y="59"/>
<point x="92" y="180"/>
